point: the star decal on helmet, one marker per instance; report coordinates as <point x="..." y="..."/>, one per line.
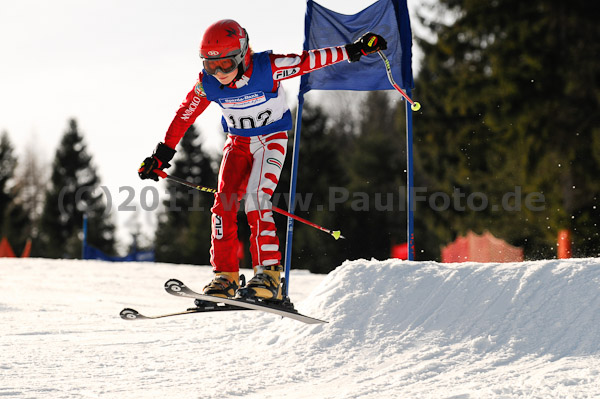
<point x="231" y="32"/>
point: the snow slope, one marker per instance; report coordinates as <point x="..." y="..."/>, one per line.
<point x="396" y="330"/>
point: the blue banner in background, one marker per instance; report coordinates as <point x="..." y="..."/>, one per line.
<point x="326" y="28"/>
<point x="90" y="252"/>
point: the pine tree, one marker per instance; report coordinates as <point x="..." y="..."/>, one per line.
<point x="377" y="169"/>
<point x="184" y="229"/>
<point x="350" y="178"/>
<point x="32" y="180"/>
<point x="511" y="104"/>
<point x="75" y="190"/>
<point x="8" y="162"/>
<point x="320" y="173"/>
<point x="14" y="221"/>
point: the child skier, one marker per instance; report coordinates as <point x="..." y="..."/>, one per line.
<point x="246" y="85"/>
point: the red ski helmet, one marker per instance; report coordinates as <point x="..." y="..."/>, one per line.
<point x="224" y="47"/>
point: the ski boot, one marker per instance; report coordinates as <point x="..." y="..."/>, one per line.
<point x="265" y="285"/>
<point x="223" y="285"/>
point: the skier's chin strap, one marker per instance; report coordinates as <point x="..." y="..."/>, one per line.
<point x="239" y="74"/>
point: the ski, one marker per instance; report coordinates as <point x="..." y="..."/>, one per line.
<point x="286" y="309"/>
<point x="132" y="314"/>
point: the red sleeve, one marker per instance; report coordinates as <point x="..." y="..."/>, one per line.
<point x="195" y="103"/>
<point x="291" y="65"/>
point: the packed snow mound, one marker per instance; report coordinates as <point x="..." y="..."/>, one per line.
<point x="396" y="330"/>
<point x="543" y="307"/>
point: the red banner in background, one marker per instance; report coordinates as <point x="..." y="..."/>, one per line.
<point x="483" y="248"/>
<point x="5" y="249"/>
<point x="400" y="251"/>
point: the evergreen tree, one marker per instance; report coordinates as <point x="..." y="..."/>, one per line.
<point x="32" y="180"/>
<point x="140" y="239"/>
<point x="75" y="190"/>
<point x="8" y="162"/>
<point x="184" y="228"/>
<point x="510" y="100"/>
<point x="377" y="170"/>
<point x="14" y="221"/>
<point x="350" y="178"/>
<point x="320" y="172"/>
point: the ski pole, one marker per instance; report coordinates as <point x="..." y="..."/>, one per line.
<point x="415" y="106"/>
<point x="334" y="233"/>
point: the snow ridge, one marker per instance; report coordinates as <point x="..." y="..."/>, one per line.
<point x="469" y="330"/>
<point x="396" y="330"/>
<point x="532" y="308"/>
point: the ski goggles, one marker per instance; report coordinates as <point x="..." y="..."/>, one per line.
<point x="223" y="65"/>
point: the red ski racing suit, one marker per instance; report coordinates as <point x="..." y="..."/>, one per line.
<point x="256" y="118"/>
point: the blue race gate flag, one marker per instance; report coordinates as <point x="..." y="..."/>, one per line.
<point x="326" y="28"/>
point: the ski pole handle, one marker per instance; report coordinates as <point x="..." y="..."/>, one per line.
<point x="334" y="233"/>
<point x="415" y="106"/>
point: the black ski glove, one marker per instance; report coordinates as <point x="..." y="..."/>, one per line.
<point x="159" y="160"/>
<point x="369" y="43"/>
